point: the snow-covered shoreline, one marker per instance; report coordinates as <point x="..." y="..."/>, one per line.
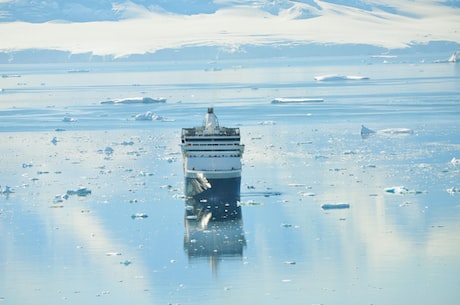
<point x="233" y="25"/>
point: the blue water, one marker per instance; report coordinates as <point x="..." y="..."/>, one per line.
<point x="385" y="249"/>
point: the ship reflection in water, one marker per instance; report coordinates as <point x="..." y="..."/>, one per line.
<point x="213" y="219"/>
<point x="212" y="169"/>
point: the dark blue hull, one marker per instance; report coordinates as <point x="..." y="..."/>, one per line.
<point x="219" y="197"/>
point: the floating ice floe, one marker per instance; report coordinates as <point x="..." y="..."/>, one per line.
<point x="307" y="194"/>
<point x="337" y="77"/>
<point x="69" y="119"/>
<point x="136" y="100"/>
<point x="60" y="198"/>
<point x="453" y="190"/>
<point x="83" y="191"/>
<point x="402" y="190"/>
<point x="139" y="216"/>
<point x="126" y="143"/>
<point x="6" y="190"/>
<point x="455" y="57"/>
<point x="147" y="116"/>
<point x="290" y="262"/>
<point x="334" y="206"/>
<point x="366" y="132"/>
<point x="108" y="150"/>
<point x="249" y="203"/>
<point x="126" y="262"/>
<point x="396" y="131"/>
<point x="296" y="100"/>
<point x="267" y="123"/>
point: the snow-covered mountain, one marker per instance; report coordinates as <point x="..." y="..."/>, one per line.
<point x="109" y="10"/>
<point x="120" y="28"/>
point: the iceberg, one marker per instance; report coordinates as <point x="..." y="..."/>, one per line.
<point x="453" y="190"/>
<point x="455" y="57"/>
<point x="396" y="131"/>
<point x="366" y="132"/>
<point x="82" y="192"/>
<point x="147" y="116"/>
<point x="7" y="190"/>
<point x="296" y="100"/>
<point x="402" y="190"/>
<point x="108" y="150"/>
<point x="60" y="198"/>
<point x="337" y="77"/>
<point x="333" y="206"/>
<point x="139" y="216"/>
<point x="136" y="100"/>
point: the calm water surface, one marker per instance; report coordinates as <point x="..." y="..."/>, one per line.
<point x="129" y="239"/>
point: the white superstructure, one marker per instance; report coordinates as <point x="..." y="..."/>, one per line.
<point x="211" y="151"/>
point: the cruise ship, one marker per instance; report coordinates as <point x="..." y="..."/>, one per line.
<point x="212" y="167"/>
<point x="211" y="150"/>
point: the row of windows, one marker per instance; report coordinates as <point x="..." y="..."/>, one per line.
<point x="213" y="139"/>
<point x="212" y="144"/>
<point x="215" y="156"/>
<point x="215" y="151"/>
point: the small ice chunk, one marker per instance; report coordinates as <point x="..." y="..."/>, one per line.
<point x="366" y="132"/>
<point x="249" y="203"/>
<point x="139" y="216"/>
<point x="108" y="150"/>
<point x="60" y="198"/>
<point x="455" y="57"/>
<point x="332" y="206"/>
<point x="6" y="190"/>
<point x="290" y="262"/>
<point x="267" y="123"/>
<point x="146" y="116"/>
<point x="69" y="119"/>
<point x="127" y="143"/>
<point x="401" y="190"/>
<point x="307" y="194"/>
<point x="83" y="191"/>
<point x="396" y="131"/>
<point x="453" y="190"/>
<point x="397" y="190"/>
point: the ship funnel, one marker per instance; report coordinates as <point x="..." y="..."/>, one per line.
<point x="210" y="123"/>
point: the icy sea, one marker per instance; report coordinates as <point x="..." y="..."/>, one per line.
<point x="92" y="205"/>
